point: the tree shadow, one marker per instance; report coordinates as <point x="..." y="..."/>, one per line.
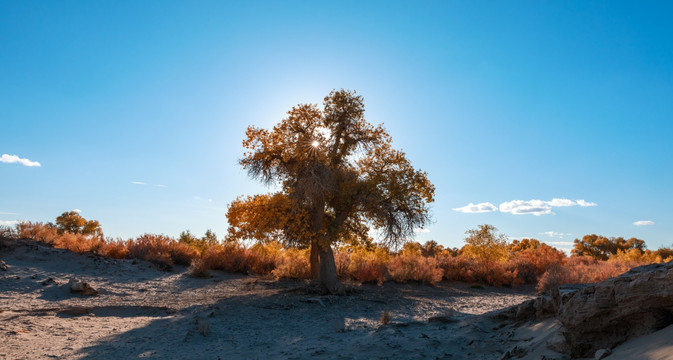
<point x="280" y="320"/>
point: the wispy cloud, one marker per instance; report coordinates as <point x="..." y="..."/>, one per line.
<point x="555" y="234"/>
<point x="144" y="183"/>
<point x="561" y="202"/>
<point x="562" y="243"/>
<point x="477" y="208"/>
<point x="6" y="158"/>
<point x="539" y="207"/>
<point x="583" y="203"/>
<point x="7" y="213"/>
<point x="422" y="230"/>
<point x="643" y="223"/>
<point x="8" y="222"/>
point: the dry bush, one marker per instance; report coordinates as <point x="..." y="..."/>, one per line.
<point x="47" y="234"/>
<point x="199" y="268"/>
<point x="342" y="259"/>
<point x="636" y="257"/>
<point x="385" y="318"/>
<point x="403" y="268"/>
<point x="115" y="249"/>
<point x="264" y="258"/>
<point x="541" y="258"/>
<point x="37" y="231"/>
<point x="230" y="257"/>
<point x="582" y="270"/>
<point x="7" y="232"/>
<point x="523" y="271"/>
<point x="294" y="264"/>
<point x="160" y="249"/>
<point x="79" y="243"/>
<point x="555" y="276"/>
<point x="369" y="266"/>
<point x="455" y="267"/>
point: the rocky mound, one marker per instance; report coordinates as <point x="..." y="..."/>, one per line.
<point x="604" y="315"/>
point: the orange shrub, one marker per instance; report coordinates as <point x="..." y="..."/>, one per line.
<point x="264" y="258"/>
<point x="230" y="258"/>
<point x="455" y="267"/>
<point x="160" y="249"/>
<point x="403" y="268"/>
<point x="199" y="268"/>
<point x="37" y="231"/>
<point x="369" y="266"/>
<point x="294" y="264"/>
<point x="49" y="235"/>
<point x="342" y="259"/>
<point x="581" y="270"/>
<point x="115" y="249"/>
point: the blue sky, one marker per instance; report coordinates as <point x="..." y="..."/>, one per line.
<point x="135" y="111"/>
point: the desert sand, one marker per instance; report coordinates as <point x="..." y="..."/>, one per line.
<point x="143" y="312"/>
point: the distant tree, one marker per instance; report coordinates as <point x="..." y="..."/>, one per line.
<point x="336" y="172"/>
<point x="209" y="238"/>
<point x="486" y="244"/>
<point x="202" y="244"/>
<point x="431" y="248"/>
<point x="72" y="222"/>
<point x="601" y="247"/>
<point x="411" y="248"/>
<point x="524" y="244"/>
<point x="666" y="254"/>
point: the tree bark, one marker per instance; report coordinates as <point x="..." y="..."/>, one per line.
<point x="315" y="261"/>
<point x="328" y="273"/>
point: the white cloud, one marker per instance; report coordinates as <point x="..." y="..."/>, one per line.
<point x="555" y="234"/>
<point x="564" y="243"/>
<point x="522" y="207"/>
<point x="8" y="222"/>
<point x="561" y="202"/>
<point x="476" y="208"/>
<point x="7" y="213"/>
<point x="643" y="223"/>
<point x="6" y="158"/>
<point x="583" y="203"/>
<point x="422" y="230"/>
<point x="144" y="183"/>
<point x="539" y="207"/>
<point x="77" y="210"/>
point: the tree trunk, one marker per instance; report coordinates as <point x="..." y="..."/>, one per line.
<point x="328" y="272"/>
<point x="315" y="261"/>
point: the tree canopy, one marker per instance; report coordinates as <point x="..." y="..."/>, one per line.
<point x="485" y="243"/>
<point x="601" y="247"/>
<point x="338" y="176"/>
<point x="72" y="222"/>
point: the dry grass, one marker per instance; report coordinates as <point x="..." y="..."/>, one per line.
<point x="199" y="268"/>
<point x="385" y="318"/>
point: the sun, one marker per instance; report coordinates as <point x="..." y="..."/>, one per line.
<point x="315" y="143"/>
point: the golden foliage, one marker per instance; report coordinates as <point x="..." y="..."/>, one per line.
<point x="337" y="172"/>
<point x="529" y="261"/>
<point x="485" y="244"/>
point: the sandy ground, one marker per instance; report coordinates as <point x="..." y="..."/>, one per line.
<point x="142" y="312"/>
